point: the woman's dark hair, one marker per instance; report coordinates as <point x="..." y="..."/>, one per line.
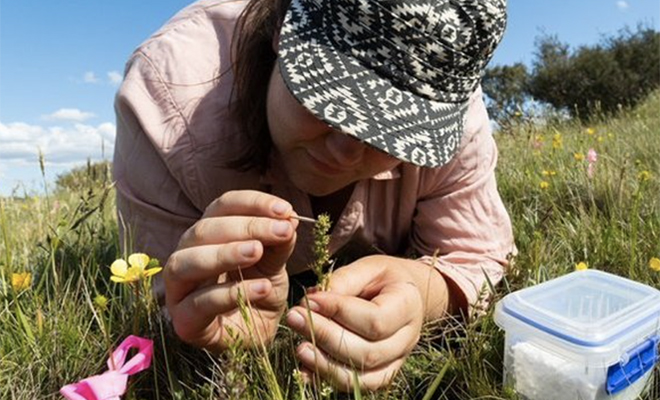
<point x="253" y="61"/>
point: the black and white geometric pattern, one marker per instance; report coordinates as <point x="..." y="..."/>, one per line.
<point x="396" y="74"/>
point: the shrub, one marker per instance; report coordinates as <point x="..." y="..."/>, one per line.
<point x="90" y="176"/>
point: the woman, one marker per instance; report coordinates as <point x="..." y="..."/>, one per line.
<point x="237" y="117"/>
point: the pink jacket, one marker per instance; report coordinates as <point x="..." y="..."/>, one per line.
<point x="174" y="131"/>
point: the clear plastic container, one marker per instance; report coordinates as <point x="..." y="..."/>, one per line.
<point x="587" y="335"/>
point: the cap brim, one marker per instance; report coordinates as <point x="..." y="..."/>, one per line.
<point x="355" y="99"/>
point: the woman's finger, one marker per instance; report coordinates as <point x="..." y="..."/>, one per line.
<point x="396" y="305"/>
<point x="249" y="202"/>
<point x="341" y="375"/>
<point x="218" y="230"/>
<point x="186" y="268"/>
<point x="194" y="314"/>
<point x="348" y="347"/>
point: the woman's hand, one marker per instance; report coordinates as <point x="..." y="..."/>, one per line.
<point x="368" y="321"/>
<point x="241" y="243"/>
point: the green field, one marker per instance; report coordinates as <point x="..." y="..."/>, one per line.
<point x="53" y="331"/>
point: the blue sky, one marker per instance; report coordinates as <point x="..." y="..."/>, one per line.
<point x="61" y="64"/>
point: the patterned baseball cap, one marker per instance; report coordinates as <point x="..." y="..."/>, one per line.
<point x="396" y="74"/>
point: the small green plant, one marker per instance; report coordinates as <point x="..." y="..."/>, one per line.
<point x="321" y="252"/>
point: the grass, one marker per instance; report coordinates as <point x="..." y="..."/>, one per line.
<point x="54" y="333"/>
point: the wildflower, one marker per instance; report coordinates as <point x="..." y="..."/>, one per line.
<point x="590" y="131"/>
<point x="581" y="266"/>
<point x="321" y="254"/>
<point x="298" y="377"/>
<point x="135" y="270"/>
<point x="654" y="263"/>
<point x="592" y="157"/>
<point x="644" y="176"/>
<point x="101" y="302"/>
<point x="21" y="281"/>
<point x="600" y="139"/>
<point x="544" y="185"/>
<point x="548" y="173"/>
<point x="579" y="157"/>
<point x="557" y="141"/>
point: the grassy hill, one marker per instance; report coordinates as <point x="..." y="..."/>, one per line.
<point x="56" y="328"/>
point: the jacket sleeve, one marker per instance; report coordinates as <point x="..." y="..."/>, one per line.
<point x="153" y="209"/>
<point x="461" y="217"/>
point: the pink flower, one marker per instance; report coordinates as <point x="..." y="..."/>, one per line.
<point x="592" y="156"/>
<point x="111" y="384"/>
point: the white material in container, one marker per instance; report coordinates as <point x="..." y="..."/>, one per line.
<point x="587" y="335"/>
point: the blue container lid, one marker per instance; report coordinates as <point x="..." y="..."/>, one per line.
<point x="588" y="308"/>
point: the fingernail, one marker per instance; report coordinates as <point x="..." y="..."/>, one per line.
<point x="314" y="306"/>
<point x="312" y="289"/>
<point x="281" y="228"/>
<point x="295" y="320"/>
<point x="307" y="353"/>
<point x="258" y="288"/>
<point x="246" y="249"/>
<point x="280" y="208"/>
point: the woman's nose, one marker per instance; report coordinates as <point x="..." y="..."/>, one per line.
<point x="344" y="148"/>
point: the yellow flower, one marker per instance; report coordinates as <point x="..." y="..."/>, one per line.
<point x="21" y="281"/>
<point x="544" y="185"/>
<point x="548" y="173"/>
<point x="101" y="302"/>
<point x="644" y="176"/>
<point x="654" y="263"/>
<point x="590" y="131"/>
<point x="135" y="270"/>
<point x="578" y="156"/>
<point x="581" y="266"/>
<point x="600" y="139"/>
<point x="557" y="141"/>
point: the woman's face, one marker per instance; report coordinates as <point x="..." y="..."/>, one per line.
<point x="318" y="159"/>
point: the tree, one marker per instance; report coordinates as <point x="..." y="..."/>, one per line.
<point x="506" y="89"/>
<point x="619" y="72"/>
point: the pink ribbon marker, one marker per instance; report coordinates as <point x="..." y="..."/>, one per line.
<point x="111" y="384"/>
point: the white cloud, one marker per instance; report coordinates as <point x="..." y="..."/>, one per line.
<point x="69" y="114"/>
<point x="62" y="147"/>
<point x="90" y="77"/>
<point x="622" y="5"/>
<point x="114" y="77"/>
<point x="59" y="145"/>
